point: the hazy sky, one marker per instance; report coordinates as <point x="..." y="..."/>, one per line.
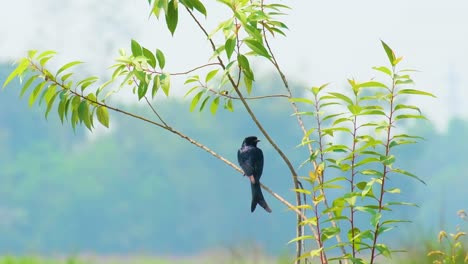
<point x="328" y="41"/>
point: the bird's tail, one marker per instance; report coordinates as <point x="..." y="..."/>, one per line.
<point x="257" y="198"/>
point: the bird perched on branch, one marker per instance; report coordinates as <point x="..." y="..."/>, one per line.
<point x="251" y="161"/>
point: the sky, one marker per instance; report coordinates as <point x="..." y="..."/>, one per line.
<point x="327" y="41"/>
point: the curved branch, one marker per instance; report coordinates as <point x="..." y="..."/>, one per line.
<point x="235" y="85"/>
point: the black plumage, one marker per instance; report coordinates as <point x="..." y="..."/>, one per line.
<point x="251" y="161"/>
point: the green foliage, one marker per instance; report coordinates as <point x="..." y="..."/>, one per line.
<point x="371" y="114"/>
<point x="353" y="137"/>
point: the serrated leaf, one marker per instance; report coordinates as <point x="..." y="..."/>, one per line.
<point x="161" y="58"/>
<point x="172" y="16"/>
<point x="136" y="48"/>
<point x="103" y="116"/>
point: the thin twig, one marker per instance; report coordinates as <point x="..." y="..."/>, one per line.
<point x="185" y="72"/>
<point x="225" y="94"/>
<point x="154" y="111"/>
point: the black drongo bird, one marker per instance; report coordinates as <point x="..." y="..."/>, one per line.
<point x="251" y="161"/>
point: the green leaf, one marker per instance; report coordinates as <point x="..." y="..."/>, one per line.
<point x="390" y="53"/>
<point x="229" y="46"/>
<point x="304" y="191"/>
<point x="329" y="232"/>
<point x="68" y="65"/>
<point x="342" y="97"/>
<point x="103" y="116"/>
<point x="407" y="174"/>
<point x="301" y="238"/>
<point x="214" y="105"/>
<point x="204" y="103"/>
<point x="383" y="249"/>
<point x="150" y="56"/>
<point x="23" y="65"/>
<point x="393" y="190"/>
<point x="398" y="117"/>
<point x="301" y="100"/>
<point x="372" y="84"/>
<point x="61" y="108"/>
<point x="35" y="93"/>
<point x="257" y="47"/>
<point x="66" y="76"/>
<point x="156" y="85"/>
<point x="142" y="89"/>
<point x="27" y="84"/>
<point x="199" y="6"/>
<point x="50" y="104"/>
<point x="31" y="53"/>
<point x="229" y="105"/>
<point x="83" y="113"/>
<point x="195" y="100"/>
<point x="165" y="83"/>
<point x="136" y="48"/>
<point x="172" y="16"/>
<point x="414" y="91"/>
<point x="248" y="84"/>
<point x="375" y="219"/>
<point x="383" y="69"/>
<point x="161" y="59"/>
<point x="45" y="54"/>
<point x="210" y="75"/>
<point x="245" y="66"/>
<point x="48" y="93"/>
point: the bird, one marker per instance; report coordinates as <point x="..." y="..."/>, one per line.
<point x="250" y="158"/>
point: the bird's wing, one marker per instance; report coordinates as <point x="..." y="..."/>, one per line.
<point x="251" y="161"/>
<point x="245" y="161"/>
<point x="257" y="155"/>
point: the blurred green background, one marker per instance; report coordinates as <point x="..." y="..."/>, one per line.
<point x="135" y="190"/>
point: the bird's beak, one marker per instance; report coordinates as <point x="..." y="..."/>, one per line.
<point x="258" y="140"/>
